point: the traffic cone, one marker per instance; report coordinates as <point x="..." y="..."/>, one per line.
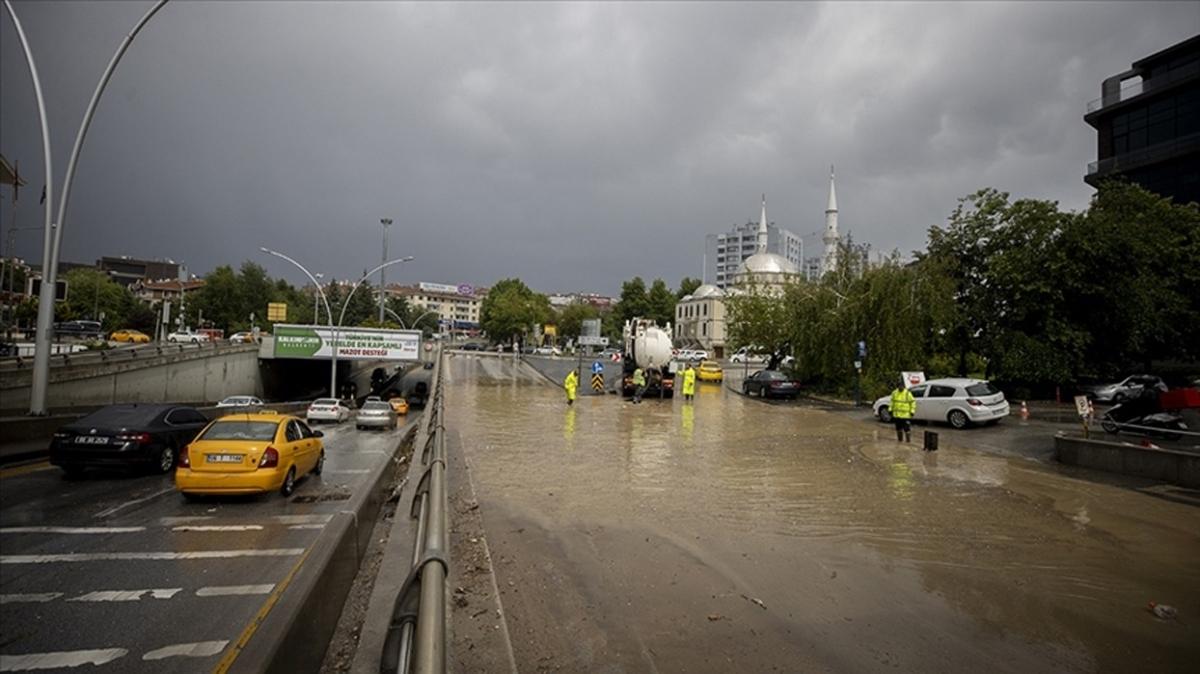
<point x="1024" y="410"/>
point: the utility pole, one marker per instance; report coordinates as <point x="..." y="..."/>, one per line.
<point x="386" y="222"/>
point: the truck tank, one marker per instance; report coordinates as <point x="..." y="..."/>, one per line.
<point x="648" y="346"/>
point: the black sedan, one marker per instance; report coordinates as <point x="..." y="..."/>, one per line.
<point x="130" y="435"/>
<point x="771" y="384"/>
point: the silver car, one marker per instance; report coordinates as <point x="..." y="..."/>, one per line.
<point x="959" y="402"/>
<point x="327" y="409"/>
<point x="1126" y="389"/>
<point x="375" y="414"/>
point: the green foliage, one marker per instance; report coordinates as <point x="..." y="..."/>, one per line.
<point x="511" y="309"/>
<point x="687" y="286"/>
<point x="661" y="303"/>
<point x="634" y="301"/>
<point x="91" y="294"/>
<point x="570" y="319"/>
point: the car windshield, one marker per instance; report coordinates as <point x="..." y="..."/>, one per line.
<point x="771" y="374"/>
<point x="982" y="389"/>
<point x="325" y="401"/>
<point x="376" y="406"/>
<point x="241" y="430"/>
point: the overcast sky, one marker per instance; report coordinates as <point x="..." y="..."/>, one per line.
<point x="571" y="145"/>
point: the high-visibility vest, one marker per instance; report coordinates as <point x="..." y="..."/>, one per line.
<point x="639" y="377"/>
<point x="903" y="404"/>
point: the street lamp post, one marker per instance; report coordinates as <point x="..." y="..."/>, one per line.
<point x="386" y="222"/>
<point x="328" y="312"/>
<point x="316" y="296"/>
<point x="53" y="235"/>
<point x="342" y="316"/>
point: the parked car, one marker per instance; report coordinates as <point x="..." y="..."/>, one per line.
<point x="747" y="355"/>
<point x="130" y="336"/>
<point x="710" y="370"/>
<point x="250" y="454"/>
<point x="375" y="414"/>
<point x="691" y="355"/>
<point x="187" y="336"/>
<point x="240" y="401"/>
<point x="1126" y="389"/>
<point x="610" y="352"/>
<point x="327" y="409"/>
<point x="79" y="329"/>
<point x="131" y="435"/>
<point x="241" y="338"/>
<point x="547" y="351"/>
<point x="771" y="384"/>
<point x="958" y="401"/>
<point x="399" y="405"/>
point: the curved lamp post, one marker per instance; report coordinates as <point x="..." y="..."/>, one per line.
<point x="342" y="315"/>
<point x="54" y="228"/>
<point x="328" y="311"/>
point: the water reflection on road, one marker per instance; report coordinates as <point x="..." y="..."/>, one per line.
<point x="868" y="553"/>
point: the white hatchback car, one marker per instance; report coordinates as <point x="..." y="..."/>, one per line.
<point x="959" y="402"/>
<point x="240" y="401"/>
<point x="327" y="409"/>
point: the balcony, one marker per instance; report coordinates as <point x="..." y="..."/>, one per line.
<point x="1139" y="158"/>
<point x="1133" y="89"/>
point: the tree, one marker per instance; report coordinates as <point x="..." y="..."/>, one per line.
<point x="570" y="319"/>
<point x="91" y="294"/>
<point x="661" y="303"/>
<point x="511" y="309"/>
<point x="687" y="286"/>
<point x="634" y="301"/>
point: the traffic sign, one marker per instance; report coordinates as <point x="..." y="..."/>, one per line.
<point x="597" y="367"/>
<point x="598" y="381"/>
<point x="588" y="340"/>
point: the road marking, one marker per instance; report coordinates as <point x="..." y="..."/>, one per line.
<point x="171" y="521"/>
<point x="29" y="598"/>
<point x="303" y="519"/>
<point x="307" y="526"/>
<point x="200" y="649"/>
<point x="219" y="527"/>
<point x="147" y="556"/>
<point x="127" y="595"/>
<point x="32" y="661"/>
<point x="244" y="638"/>
<point x="118" y="508"/>
<point x="70" y="530"/>
<point x="23" y="470"/>
<point x="230" y="590"/>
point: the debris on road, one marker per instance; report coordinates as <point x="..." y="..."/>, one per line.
<point x="1163" y="611"/>
<point x="752" y="600"/>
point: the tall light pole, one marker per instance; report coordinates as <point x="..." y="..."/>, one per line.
<point x="328" y="312"/>
<point x="386" y="222"/>
<point x="342" y="316"/>
<point x="53" y="236"/>
<point x="317" y="295"/>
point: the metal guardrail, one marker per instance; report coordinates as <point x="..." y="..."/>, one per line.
<point x="118" y="354"/>
<point x="1148" y="155"/>
<point x="416" y="636"/>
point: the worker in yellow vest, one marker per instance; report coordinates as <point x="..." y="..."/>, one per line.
<point x="571" y="383"/>
<point x="902" y="407"/>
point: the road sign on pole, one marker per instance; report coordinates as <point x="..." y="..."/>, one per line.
<point x="586" y="340"/>
<point x="597" y="367"/>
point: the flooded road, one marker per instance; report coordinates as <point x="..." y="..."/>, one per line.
<point x="731" y="535"/>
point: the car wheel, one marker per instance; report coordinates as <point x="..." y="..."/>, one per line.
<point x="320" y="464"/>
<point x="289" y="482"/>
<point x="166" y="461"/>
<point x="885" y="415"/>
<point x="1118" y="398"/>
<point x="958" y="419"/>
<point x="1109" y="425"/>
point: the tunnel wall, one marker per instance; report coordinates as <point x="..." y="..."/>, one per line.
<point x="192" y="376"/>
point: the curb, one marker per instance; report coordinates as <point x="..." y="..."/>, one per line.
<point x="295" y="634"/>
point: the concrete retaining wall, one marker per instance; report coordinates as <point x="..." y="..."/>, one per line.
<point x="188" y="376"/>
<point x="1167" y="465"/>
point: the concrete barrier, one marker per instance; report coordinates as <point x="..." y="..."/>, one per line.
<point x="294" y="636"/>
<point x="1168" y="465"/>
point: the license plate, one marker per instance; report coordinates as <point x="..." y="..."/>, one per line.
<point x="224" y="458"/>
<point x="91" y="440"/>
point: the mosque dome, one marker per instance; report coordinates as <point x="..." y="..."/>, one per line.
<point x="768" y="263"/>
<point x="706" y="290"/>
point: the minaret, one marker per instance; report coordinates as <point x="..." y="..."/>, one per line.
<point x="762" y="228"/>
<point x="830" y="238"/>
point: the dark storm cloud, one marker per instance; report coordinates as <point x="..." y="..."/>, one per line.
<point x="572" y="145"/>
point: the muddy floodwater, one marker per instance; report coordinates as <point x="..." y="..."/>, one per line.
<point x="731" y="535"/>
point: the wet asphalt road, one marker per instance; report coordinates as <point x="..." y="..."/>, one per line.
<point x="732" y="535"/>
<point x="118" y="570"/>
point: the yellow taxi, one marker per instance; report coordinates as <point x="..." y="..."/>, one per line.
<point x="399" y="405"/>
<point x="710" y="370"/>
<point x="250" y="454"/>
<point x="131" y="336"/>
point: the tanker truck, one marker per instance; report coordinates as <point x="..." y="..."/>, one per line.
<point x="649" y="347"/>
